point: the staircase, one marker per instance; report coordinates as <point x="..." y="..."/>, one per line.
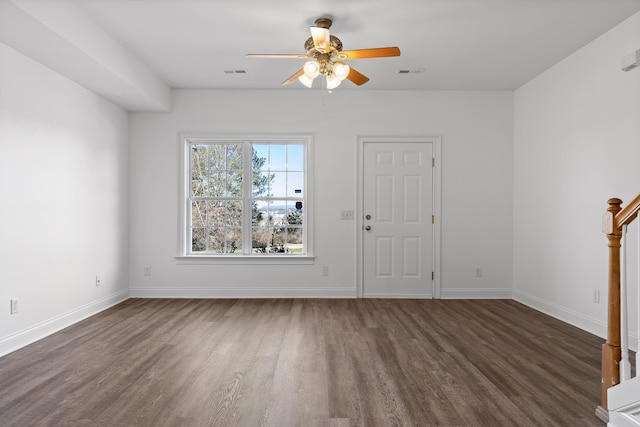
<point x="624" y="404"/>
<point x="620" y="391"/>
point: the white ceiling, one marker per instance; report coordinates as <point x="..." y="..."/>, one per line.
<point x="461" y="44"/>
<point x="132" y="52"/>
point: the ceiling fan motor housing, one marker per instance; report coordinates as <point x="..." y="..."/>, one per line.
<point x="324" y="23"/>
<point x="334" y="44"/>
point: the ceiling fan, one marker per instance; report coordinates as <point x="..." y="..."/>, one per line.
<point x="325" y="56"/>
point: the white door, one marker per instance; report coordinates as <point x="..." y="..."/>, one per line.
<point x="397" y="219"/>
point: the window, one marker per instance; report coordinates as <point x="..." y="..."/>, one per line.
<point x="245" y="197"/>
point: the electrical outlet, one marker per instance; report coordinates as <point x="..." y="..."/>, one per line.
<point x="478" y="272"/>
<point x="325" y="270"/>
<point x="97" y="280"/>
<point x="147" y="271"/>
<point x="14" y="305"/>
<point x="596" y="296"/>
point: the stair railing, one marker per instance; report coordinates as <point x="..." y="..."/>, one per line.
<point x="615" y="351"/>
<point x="625" y="363"/>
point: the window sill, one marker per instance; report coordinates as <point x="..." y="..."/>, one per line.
<point x="245" y="260"/>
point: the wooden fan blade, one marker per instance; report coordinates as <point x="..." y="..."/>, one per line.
<point x="356" y="77"/>
<point x="294" y="77"/>
<point x="378" y="52"/>
<point x="321" y="38"/>
<point x="278" y="55"/>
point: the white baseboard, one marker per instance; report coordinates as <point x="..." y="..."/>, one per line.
<point x="571" y="317"/>
<point x="399" y="296"/>
<point x="236" y="292"/>
<point x="41" y="330"/>
<point x="475" y="293"/>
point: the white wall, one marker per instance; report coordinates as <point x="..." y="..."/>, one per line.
<point x="63" y="186"/>
<point x="577" y="144"/>
<point x="476" y="130"/>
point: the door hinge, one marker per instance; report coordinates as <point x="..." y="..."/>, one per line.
<point x="433" y="219"/>
<point x="433" y="276"/>
<point x="433" y="162"/>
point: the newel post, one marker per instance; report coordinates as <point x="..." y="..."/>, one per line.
<point x="611" y="349"/>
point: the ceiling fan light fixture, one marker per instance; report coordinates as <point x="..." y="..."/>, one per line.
<point x="311" y="69"/>
<point x="306" y="80"/>
<point x="341" y="70"/>
<point x="333" y="81"/>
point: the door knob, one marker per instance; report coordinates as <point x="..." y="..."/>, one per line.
<point x="368" y="227"/>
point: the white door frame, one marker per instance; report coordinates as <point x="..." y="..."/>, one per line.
<point x="437" y="142"/>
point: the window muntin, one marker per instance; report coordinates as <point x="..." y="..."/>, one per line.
<point x="246" y="198"/>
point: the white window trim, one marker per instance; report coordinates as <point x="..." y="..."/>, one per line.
<point x="183" y="257"/>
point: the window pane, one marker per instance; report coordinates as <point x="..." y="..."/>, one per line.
<point x="277" y="157"/>
<point x="260" y="173"/>
<point x="220" y="240"/>
<point x="216" y="170"/>
<point x="295" y="157"/>
<point x="268" y="240"/>
<point x="269" y="235"/>
<point x="198" y="214"/>
<point x="233" y="215"/>
<point x="294" y="240"/>
<point x="198" y="240"/>
<point x="232" y="240"/>
<point x="258" y="212"/>
<point x="277" y="211"/>
<point x="292" y="226"/>
<point x="215" y="240"/>
<point x="213" y="183"/>
<point x="261" y="181"/>
<point x="234" y="157"/>
<point x="295" y="184"/>
<point x="260" y="239"/>
<point x="278" y="187"/>
<point x="214" y="156"/>
<point x="198" y="167"/>
<point x="278" y="240"/>
<point x="233" y="184"/>
<point x="294" y="216"/>
<point x="260" y="157"/>
<point x="222" y="212"/>
<point x="215" y="213"/>
<point x="234" y="170"/>
<point x="223" y="240"/>
<point x="197" y="184"/>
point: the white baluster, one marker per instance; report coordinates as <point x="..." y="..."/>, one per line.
<point x="638" y="304"/>
<point x="625" y="367"/>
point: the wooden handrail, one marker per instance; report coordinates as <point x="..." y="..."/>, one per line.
<point x="612" y="223"/>
<point x="628" y="213"/>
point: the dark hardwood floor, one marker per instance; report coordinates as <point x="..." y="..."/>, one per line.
<point x="283" y="362"/>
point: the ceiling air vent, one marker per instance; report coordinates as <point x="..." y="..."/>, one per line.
<point x="235" y="71"/>
<point x="411" y="71"/>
